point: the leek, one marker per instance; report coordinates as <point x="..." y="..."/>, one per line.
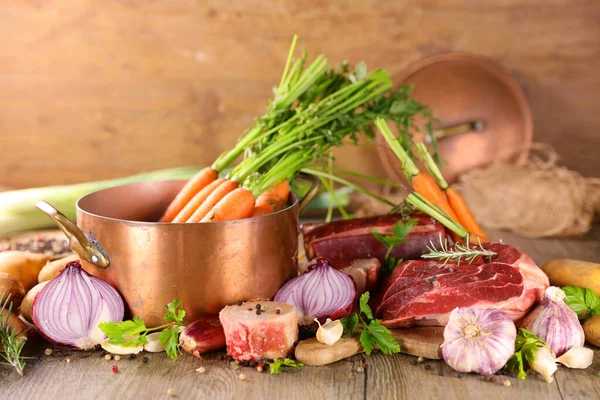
<point x="19" y="213"/>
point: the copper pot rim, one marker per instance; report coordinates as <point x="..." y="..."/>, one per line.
<point x="292" y="202"/>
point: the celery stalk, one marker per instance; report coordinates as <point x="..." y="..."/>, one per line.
<point x="18" y="211"/>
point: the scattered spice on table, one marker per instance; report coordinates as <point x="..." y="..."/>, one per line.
<point x="171" y="393"/>
<point x="413" y="362"/>
<point x="201" y="370"/>
<point x="427" y="367"/>
<point x="145" y="360"/>
<point x="48" y="352"/>
<point x="108" y="357"/>
<point x="242" y="377"/>
<point x="117" y="357"/>
<point x="115" y="369"/>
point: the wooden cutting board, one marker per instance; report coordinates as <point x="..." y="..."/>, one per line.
<point x="423" y="341"/>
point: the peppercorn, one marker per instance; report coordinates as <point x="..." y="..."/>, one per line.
<point x="258" y="306"/>
<point x="117" y="357"/>
<point x="459" y="375"/>
<point x="427" y="367"/>
<point x="413" y="362"/>
<point x="258" y="312"/>
<point x="145" y="360"/>
<point x="131" y="357"/>
<point x="108" y="357"/>
<point x="48" y="352"/>
<point x="278" y="311"/>
<point x="239" y="303"/>
<point x="252" y="364"/>
<point x="115" y="369"/>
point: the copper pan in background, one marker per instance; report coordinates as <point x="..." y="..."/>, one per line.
<point x="204" y="265"/>
<point x="483" y="111"/>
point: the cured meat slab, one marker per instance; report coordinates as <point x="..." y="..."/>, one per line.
<point x="425" y="292"/>
<point x="353" y="239"/>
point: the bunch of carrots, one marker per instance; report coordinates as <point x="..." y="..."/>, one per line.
<point x="315" y="108"/>
<point x="432" y="194"/>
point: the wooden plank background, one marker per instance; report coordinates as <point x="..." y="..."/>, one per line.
<point x="94" y="89"/>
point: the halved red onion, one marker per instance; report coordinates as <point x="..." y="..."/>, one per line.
<point x="320" y="292"/>
<point x="69" y="308"/>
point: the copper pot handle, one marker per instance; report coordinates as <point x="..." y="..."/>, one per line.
<point x="312" y="192"/>
<point x="86" y="247"/>
<point x="449" y="131"/>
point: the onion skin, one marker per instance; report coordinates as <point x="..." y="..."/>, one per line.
<point x="555" y="323"/>
<point x="202" y="336"/>
<point x="478" y="340"/>
<point x="321" y="292"/>
<point x="69" y="308"/>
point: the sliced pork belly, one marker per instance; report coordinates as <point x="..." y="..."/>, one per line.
<point x="353" y="239"/>
<point x="251" y="335"/>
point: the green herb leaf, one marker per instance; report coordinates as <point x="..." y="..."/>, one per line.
<point x="364" y="305"/>
<point x="526" y="347"/>
<point x="349" y="323"/>
<point x="367" y="341"/>
<point x="130" y="333"/>
<point x="400" y="231"/>
<point x="582" y="300"/>
<point x="170" y="339"/>
<point x="382" y="336"/>
<point x="275" y="365"/>
<point x="173" y="314"/>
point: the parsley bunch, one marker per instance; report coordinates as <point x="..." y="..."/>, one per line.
<point x="400" y="231"/>
<point x="526" y="346"/>
<point x="133" y="333"/>
<point x="373" y="333"/>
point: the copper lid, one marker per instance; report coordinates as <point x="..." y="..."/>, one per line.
<point x="474" y="92"/>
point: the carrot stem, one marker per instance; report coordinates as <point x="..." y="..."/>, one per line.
<point x="424" y="205"/>
<point x="408" y="165"/>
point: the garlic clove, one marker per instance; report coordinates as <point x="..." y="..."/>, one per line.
<point x="154" y="345"/>
<point x="544" y="364"/>
<point x="330" y="332"/>
<point x="577" y="357"/>
<point x="120" y="350"/>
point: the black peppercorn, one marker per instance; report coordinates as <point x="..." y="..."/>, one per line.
<point x="427" y="367"/>
<point x="145" y="360"/>
<point x="239" y="303"/>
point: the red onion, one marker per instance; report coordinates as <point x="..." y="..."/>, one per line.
<point x="320" y="292"/>
<point x="202" y="336"/>
<point x="69" y="308"/>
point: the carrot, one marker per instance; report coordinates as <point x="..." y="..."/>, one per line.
<point x="454" y="199"/>
<point x="197" y="201"/>
<point x="194" y="185"/>
<point x="237" y="204"/>
<point x="220" y="191"/>
<point x="425" y="185"/>
<point x="465" y="216"/>
<point x="272" y="200"/>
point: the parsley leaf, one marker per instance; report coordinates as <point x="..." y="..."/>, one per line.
<point x="275" y="365"/>
<point x="526" y="346"/>
<point x="373" y="333"/>
<point x="349" y="323"/>
<point x="364" y="305"/>
<point x="132" y="333"/>
<point x="400" y="231"/>
<point x="582" y="301"/>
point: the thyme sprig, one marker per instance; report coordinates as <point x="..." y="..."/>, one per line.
<point x="458" y="252"/>
<point x="10" y="341"/>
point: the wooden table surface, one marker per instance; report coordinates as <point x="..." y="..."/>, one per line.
<point x="87" y="375"/>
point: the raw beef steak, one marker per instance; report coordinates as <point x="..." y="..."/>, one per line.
<point x="353" y="239"/>
<point x="425" y="292"/>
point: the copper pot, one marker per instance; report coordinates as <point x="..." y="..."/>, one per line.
<point x="205" y="265"/>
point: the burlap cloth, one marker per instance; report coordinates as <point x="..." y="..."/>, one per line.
<point x="537" y="199"/>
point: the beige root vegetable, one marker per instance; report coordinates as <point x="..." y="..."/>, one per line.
<point x="566" y="272"/>
<point x="591" y="329"/>
<point x="9" y="285"/>
<point x="52" y="269"/>
<point x="23" y="266"/>
<point x="27" y="304"/>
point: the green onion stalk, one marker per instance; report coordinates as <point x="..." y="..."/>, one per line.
<point x="19" y="213"/>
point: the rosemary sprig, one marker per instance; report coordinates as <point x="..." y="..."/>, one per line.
<point x="10" y="341"/>
<point x="459" y="252"/>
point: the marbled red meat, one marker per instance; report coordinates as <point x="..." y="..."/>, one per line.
<point x="425" y="292"/>
<point x="365" y="272"/>
<point x="353" y="239"/>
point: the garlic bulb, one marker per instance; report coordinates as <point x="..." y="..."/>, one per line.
<point x="577" y="357"/>
<point x="555" y="323"/>
<point x="544" y="363"/>
<point x="478" y="340"/>
<point x="330" y="332"/>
